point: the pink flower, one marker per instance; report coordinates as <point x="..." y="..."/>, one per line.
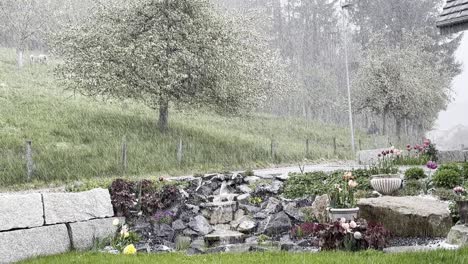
<point x="427" y="142"/>
<point x="458" y="190"/>
<point x="352" y="224"/>
<point x="431" y="165"/>
<point x="408" y="147"/>
<point x="345" y="226"/>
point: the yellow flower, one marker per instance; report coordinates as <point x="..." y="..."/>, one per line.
<point x="115" y="222"/>
<point x="129" y="250"/>
<point x="126" y="234"/>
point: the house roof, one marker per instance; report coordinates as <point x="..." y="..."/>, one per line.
<point x="454" y="16"/>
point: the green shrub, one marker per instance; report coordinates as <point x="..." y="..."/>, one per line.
<point x="412" y="188"/>
<point x="445" y="194"/>
<point x="450" y="166"/>
<point x="415" y="174"/>
<point x="447" y="178"/>
<point x="465" y="170"/>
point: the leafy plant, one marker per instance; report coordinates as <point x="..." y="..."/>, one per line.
<point x="451" y="166"/>
<point x="465" y="170"/>
<point x="414" y="173"/>
<point x="447" y="178"/>
<point x="376" y="236"/>
<point x="306" y="229"/>
<point x="123" y="237"/>
<point x="412" y="188"/>
<point x="454" y="213"/>
<point x="164" y="217"/>
<point x="256" y="200"/>
<point x="307" y="185"/>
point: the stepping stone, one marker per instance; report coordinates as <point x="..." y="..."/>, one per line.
<point x="224" y="237"/>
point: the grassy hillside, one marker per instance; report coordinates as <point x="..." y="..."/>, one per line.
<point x="76" y="137"/>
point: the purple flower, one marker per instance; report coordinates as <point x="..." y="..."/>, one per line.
<point x="431" y="165"/>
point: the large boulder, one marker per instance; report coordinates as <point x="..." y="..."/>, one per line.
<point x="76" y="207"/>
<point x="458" y="235"/>
<point x="21" y="211"/>
<point x="85" y="234"/>
<point x="408" y="216"/>
<point x="28" y="243"/>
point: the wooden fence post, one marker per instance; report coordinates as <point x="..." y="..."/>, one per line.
<point x="124" y="154"/>
<point x="180" y="154"/>
<point x="335" y="151"/>
<point x="273" y="149"/>
<point x="29" y="159"/>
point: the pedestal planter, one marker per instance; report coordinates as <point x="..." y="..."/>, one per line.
<point x="463" y="211"/>
<point x="346" y="213"/>
<point x="386" y="183"/>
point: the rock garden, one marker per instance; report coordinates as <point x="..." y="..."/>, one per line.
<point x="374" y="207"/>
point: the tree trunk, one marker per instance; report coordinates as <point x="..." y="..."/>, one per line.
<point x="163" y="115"/>
<point x="19" y="58"/>
<point x="384" y="123"/>
<point x="398" y="128"/>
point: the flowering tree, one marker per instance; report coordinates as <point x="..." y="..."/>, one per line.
<point x="406" y="82"/>
<point x="163" y="52"/>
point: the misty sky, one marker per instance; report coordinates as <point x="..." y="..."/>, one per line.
<point x="457" y="112"/>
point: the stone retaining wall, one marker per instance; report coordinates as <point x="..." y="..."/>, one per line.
<point x="37" y="224"/>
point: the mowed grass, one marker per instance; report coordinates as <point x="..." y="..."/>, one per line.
<point x="369" y="257"/>
<point x="75" y="137"/>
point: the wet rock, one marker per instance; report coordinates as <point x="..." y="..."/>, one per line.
<point x="269" y="188"/>
<point x="294" y="212"/>
<point x="319" y="208"/>
<point x="243" y="198"/>
<point x="249" y="208"/>
<point x="244" y="189"/>
<point x="273" y="206"/>
<point x="408" y="216"/>
<point x="178" y="225"/>
<point x="286" y="243"/>
<point x="246" y="225"/>
<point x="251" y="179"/>
<point x="164" y="231"/>
<point x="458" y="235"/>
<point x="260" y="215"/>
<point x="200" y="225"/>
<point x="161" y="249"/>
<point x="282" y="177"/>
<point x="277" y="224"/>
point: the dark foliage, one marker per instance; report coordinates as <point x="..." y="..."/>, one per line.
<point x="306" y="230"/>
<point x="122" y="196"/>
<point x="376" y="236"/>
<point x="145" y="196"/>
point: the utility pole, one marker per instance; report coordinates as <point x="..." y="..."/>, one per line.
<point x="345" y="4"/>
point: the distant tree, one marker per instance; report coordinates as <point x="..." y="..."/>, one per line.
<point x="402" y="83"/>
<point x="162" y="52"/>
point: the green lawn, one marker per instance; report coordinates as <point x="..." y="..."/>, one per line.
<point x="450" y="257"/>
<point x="80" y="138"/>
